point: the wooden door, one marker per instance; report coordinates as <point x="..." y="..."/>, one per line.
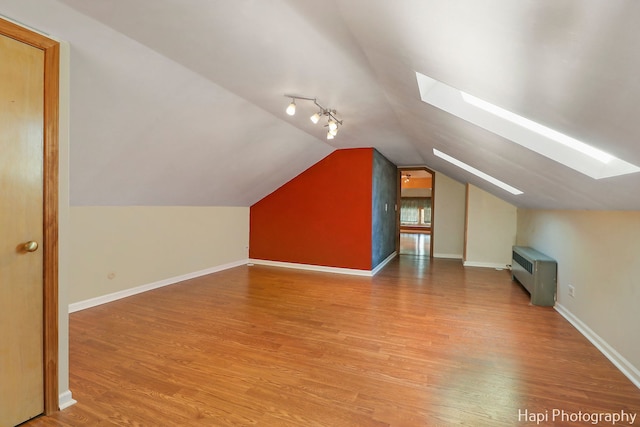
<point x="49" y="226"/>
<point x="21" y="231"/>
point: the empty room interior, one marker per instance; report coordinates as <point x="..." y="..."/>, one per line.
<point x="293" y="213"/>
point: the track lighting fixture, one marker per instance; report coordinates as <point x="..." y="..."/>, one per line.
<point x="332" y="120"/>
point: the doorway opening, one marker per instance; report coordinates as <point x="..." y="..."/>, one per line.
<point x="416" y="207"/>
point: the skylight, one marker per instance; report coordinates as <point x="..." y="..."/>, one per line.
<point x="550" y="143"/>
<point x="477" y="172"/>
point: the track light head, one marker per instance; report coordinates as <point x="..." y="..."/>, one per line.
<point x="329" y="135"/>
<point x="332" y="124"/>
<point x="291" y="109"/>
<point x="315" y="118"/>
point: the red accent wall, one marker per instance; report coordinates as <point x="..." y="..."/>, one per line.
<point x="321" y="217"/>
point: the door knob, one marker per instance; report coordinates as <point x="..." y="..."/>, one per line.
<point x="31" y="246"/>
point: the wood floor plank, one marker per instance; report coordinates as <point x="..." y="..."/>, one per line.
<point x="423" y="343"/>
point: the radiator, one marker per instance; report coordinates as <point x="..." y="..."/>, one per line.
<point x="537" y="273"/>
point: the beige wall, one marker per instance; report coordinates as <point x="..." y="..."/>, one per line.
<point x="416" y="192"/>
<point x="448" y="222"/>
<point x="118" y="248"/>
<point x="491" y="229"/>
<point x="599" y="254"/>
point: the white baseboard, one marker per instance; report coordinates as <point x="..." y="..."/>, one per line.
<point x="610" y="353"/>
<point x="312" y="267"/>
<point x="485" y="265"/>
<point x="65" y="400"/>
<point x="450" y="256"/>
<point x="93" y="302"/>
<point x="384" y="262"/>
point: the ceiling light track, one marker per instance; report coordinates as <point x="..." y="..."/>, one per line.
<point x="330" y="114"/>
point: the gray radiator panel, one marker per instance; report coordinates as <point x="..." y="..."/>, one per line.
<point x="538" y="275"/>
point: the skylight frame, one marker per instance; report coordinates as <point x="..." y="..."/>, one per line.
<point x="477" y="172"/>
<point x="534" y="136"/>
<point x="536" y="127"/>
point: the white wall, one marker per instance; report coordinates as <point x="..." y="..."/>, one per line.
<point x="491" y="229"/>
<point x="63" y="226"/>
<point x="118" y="248"/>
<point x="448" y="221"/>
<point x="599" y="254"/>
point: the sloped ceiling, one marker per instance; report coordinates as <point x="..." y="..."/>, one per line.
<point x="180" y="102"/>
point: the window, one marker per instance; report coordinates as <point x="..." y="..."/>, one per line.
<point x="584" y="158"/>
<point x="415" y="211"/>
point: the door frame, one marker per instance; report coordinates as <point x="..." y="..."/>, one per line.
<point x="51" y="51"/>
<point x="402" y="170"/>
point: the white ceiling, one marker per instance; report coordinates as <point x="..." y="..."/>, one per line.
<point x="180" y="102"/>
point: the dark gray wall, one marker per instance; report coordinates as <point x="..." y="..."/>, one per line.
<point x="384" y="191"/>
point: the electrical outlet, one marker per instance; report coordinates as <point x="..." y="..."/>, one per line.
<point x="572" y="291"/>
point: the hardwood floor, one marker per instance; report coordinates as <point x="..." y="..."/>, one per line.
<point x="423" y="343"/>
<point x="416" y="244"/>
